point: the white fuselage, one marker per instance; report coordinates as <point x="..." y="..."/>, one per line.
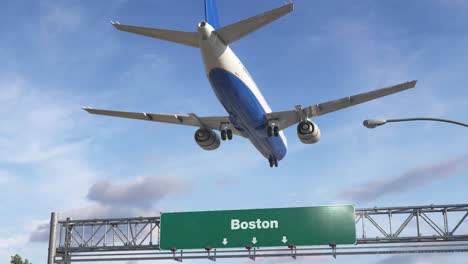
<point x="238" y="93"/>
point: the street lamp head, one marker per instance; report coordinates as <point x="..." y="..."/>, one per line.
<point x="373" y="123"/>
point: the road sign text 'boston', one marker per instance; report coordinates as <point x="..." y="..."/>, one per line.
<point x="236" y="224"/>
<point x="299" y="226"/>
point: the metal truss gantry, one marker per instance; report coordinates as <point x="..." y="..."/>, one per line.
<point x="384" y="230"/>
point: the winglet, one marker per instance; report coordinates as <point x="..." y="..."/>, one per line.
<point x="87" y="109"/>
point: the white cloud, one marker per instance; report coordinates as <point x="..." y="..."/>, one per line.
<point x="8" y="243"/>
<point x="40" y="234"/>
<point x="5" y="243"/>
<point x="43" y="153"/>
<point x="37" y="123"/>
<point x="287" y="259"/>
<point x="142" y="192"/>
<point x="58" y="19"/>
<point x="413" y="178"/>
<point x="135" y="198"/>
<point x="423" y="259"/>
<point x="6" y="177"/>
<point x="43" y="134"/>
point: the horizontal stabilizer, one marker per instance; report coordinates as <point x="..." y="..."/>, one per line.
<point x="236" y="31"/>
<point x="181" y="37"/>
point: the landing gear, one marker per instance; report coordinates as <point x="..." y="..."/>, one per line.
<point x="226" y="133"/>
<point x="223" y="134"/>
<point x="273" y="162"/>
<point x="276" y="131"/>
<point x="273" y="131"/>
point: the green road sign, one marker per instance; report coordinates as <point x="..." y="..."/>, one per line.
<point x="299" y="226"/>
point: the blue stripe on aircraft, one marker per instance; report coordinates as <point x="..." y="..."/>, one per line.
<point x="246" y="112"/>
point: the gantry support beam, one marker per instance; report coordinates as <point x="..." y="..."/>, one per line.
<point x="390" y="230"/>
<point x="430" y="223"/>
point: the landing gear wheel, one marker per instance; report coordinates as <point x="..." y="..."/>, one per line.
<point x="223" y="134"/>
<point x="229" y="134"/>
<point x="269" y="131"/>
<point x="276" y="131"/>
<point x="273" y="162"/>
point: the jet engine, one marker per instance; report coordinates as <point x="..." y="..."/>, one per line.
<point x="308" y="132"/>
<point x="207" y="139"/>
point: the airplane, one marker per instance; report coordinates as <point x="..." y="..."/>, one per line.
<point x="249" y="115"/>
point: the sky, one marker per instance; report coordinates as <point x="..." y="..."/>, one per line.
<point x="58" y="56"/>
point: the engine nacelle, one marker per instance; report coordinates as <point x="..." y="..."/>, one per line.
<point x="207" y="139"/>
<point x="308" y="132"/>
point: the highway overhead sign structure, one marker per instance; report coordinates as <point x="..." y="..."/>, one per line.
<point x="298" y="226"/>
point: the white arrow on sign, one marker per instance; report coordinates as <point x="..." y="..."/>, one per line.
<point x="225" y="241"/>
<point x="254" y="240"/>
<point x="284" y="240"/>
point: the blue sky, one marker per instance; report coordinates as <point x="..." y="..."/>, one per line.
<point x="58" y="56"/>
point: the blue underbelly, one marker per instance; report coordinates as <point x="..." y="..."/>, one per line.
<point x="245" y="112"/>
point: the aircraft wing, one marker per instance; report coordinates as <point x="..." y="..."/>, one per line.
<point x="288" y="118"/>
<point x="211" y="122"/>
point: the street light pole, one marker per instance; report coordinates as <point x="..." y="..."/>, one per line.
<point x="373" y="123"/>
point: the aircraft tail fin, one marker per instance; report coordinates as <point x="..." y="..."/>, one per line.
<point x="211" y="13"/>
<point x="181" y="37"/>
<point x="236" y="31"/>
